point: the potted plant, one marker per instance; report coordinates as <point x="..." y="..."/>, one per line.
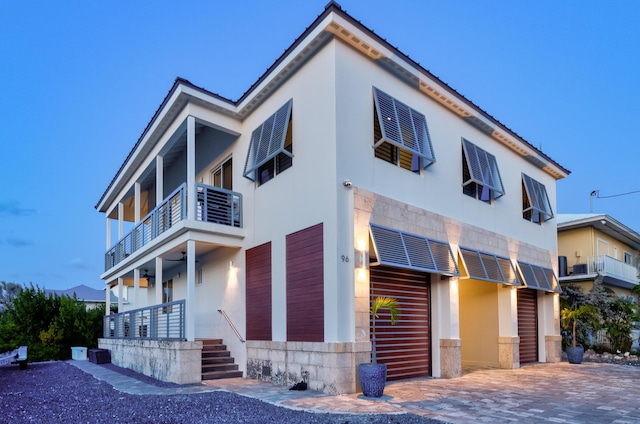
<point x="570" y="317"/>
<point x="373" y="376"/>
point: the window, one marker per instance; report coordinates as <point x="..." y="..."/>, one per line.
<point x="222" y="175"/>
<point x="401" y="135"/>
<point x="535" y="202"/>
<point x="480" y="174"/>
<point x="271" y="147"/>
<point x="628" y="258"/>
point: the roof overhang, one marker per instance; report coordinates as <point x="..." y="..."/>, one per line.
<point x="605" y="224"/>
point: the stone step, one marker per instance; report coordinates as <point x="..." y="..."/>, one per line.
<point x="217" y="375"/>
<point x="216" y="354"/>
<point x="218" y="367"/>
<point x="218" y="360"/>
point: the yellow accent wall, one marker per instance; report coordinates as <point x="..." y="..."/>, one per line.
<point x="479" y="323"/>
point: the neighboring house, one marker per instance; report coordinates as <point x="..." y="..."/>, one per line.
<point x="346" y="171"/>
<point x="92" y="298"/>
<point x="596" y="244"/>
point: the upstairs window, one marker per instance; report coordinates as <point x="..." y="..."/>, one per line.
<point x="480" y="174"/>
<point x="271" y="148"/>
<point x="401" y="135"/>
<point x="222" y="175"/>
<point x="535" y="202"/>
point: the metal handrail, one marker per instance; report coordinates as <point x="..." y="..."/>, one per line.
<point x="233" y="327"/>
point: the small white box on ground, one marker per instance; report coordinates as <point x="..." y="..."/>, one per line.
<point x="79" y="353"/>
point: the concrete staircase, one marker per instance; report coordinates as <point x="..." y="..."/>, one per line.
<point x="217" y="361"/>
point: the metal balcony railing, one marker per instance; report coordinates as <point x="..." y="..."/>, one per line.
<point x="159" y="322"/>
<point x="212" y="204"/>
<point x="608" y="266"/>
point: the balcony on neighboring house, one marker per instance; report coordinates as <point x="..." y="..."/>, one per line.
<point x="212" y="205"/>
<point x="613" y="271"/>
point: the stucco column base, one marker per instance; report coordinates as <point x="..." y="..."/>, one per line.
<point x="509" y="352"/>
<point x="450" y="358"/>
<point x="553" y="347"/>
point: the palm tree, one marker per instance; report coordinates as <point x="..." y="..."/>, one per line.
<point x="572" y="316"/>
<point x="382" y="302"/>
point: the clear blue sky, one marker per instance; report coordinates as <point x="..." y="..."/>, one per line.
<point x="81" y="80"/>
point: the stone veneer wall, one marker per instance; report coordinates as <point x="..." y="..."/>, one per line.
<point x="171" y="361"/>
<point x="325" y="367"/>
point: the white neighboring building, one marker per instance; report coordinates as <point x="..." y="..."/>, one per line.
<point x="345" y="172"/>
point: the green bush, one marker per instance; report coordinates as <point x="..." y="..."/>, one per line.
<point x="48" y="324"/>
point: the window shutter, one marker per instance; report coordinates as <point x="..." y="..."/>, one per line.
<point x="537" y="195"/>
<point x="483" y="168"/>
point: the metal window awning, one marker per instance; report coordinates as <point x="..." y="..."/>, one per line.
<point x="489" y="267"/>
<point x="539" y="278"/>
<point x="398" y="249"/>
<point x="267" y="141"/>
<point x="403" y="127"/>
<point x="483" y="168"/>
<point x="536" y="193"/>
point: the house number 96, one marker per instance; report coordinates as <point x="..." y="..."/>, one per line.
<point x="345" y="258"/>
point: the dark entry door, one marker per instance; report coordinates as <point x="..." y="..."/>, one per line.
<point x="528" y="325"/>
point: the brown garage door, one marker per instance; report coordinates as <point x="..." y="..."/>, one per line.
<point x="406" y="346"/>
<point x="528" y="325"/>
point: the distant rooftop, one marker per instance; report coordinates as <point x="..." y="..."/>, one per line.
<point x="601" y="222"/>
<point x="84" y="293"/>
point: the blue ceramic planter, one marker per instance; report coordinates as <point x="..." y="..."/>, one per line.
<point x="373" y="378"/>
<point x="575" y="354"/>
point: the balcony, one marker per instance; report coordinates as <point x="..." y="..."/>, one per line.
<point x="613" y="271"/>
<point x="212" y="204"/>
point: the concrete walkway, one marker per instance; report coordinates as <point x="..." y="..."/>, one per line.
<point x="560" y="393"/>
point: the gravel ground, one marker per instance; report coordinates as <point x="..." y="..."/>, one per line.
<point x="56" y="392"/>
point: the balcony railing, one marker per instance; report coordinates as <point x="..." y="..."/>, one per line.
<point x="212" y="204"/>
<point x="158" y="322"/>
<point x="608" y="266"/>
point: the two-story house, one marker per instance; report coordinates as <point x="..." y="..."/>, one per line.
<point x="347" y="171"/>
<point x="596" y="244"/>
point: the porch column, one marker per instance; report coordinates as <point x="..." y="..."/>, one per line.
<point x="445" y="325"/>
<point x="191" y="289"/>
<point x="120" y="220"/>
<point x="120" y="302"/>
<point x="108" y="232"/>
<point x="191" y="168"/>
<point x="136" y="288"/>
<point x="158" y="281"/>
<point x="159" y="179"/>
<point x="508" y="340"/>
<point x="108" y="300"/>
<point x="136" y="195"/>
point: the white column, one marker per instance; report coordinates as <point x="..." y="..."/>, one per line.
<point x="159" y="280"/>
<point x="191" y="167"/>
<point x="120" y="220"/>
<point x="159" y="179"/>
<point x="108" y="232"/>
<point x="445" y="327"/>
<point x="136" y="202"/>
<point x="191" y="289"/>
<point x="120" y="290"/>
<point x="136" y="289"/>
<point x="108" y="300"/>
<point x="507" y="311"/>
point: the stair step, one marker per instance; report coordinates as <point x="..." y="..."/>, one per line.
<point x="206" y="342"/>
<point x="219" y="367"/>
<point x="220" y="360"/>
<point x="216" y="354"/>
<point x="213" y="348"/>
<point x="217" y="375"/>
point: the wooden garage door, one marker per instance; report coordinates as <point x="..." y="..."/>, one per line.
<point x="528" y="325"/>
<point x="406" y="346"/>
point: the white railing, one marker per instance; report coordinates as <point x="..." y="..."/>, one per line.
<point x="608" y="266"/>
<point x="159" y="322"/>
<point x="212" y="204"/>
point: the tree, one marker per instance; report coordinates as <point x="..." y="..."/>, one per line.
<point x="8" y="291"/>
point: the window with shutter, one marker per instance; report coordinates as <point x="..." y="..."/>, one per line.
<point x="480" y="174"/>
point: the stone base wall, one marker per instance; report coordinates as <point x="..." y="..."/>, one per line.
<point x="450" y="358"/>
<point x="171" y="361"/>
<point x="509" y="352"/>
<point x="553" y="348"/>
<point x="325" y="367"/>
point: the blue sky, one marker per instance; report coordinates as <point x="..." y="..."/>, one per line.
<point x="81" y="80"/>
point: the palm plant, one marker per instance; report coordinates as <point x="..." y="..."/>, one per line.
<point x="379" y="303"/>
<point x="570" y="317"/>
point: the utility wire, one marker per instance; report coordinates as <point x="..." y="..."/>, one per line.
<point x="614" y="195"/>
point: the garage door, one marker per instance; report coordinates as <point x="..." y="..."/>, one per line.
<point x="406" y="346"/>
<point x="528" y="325"/>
